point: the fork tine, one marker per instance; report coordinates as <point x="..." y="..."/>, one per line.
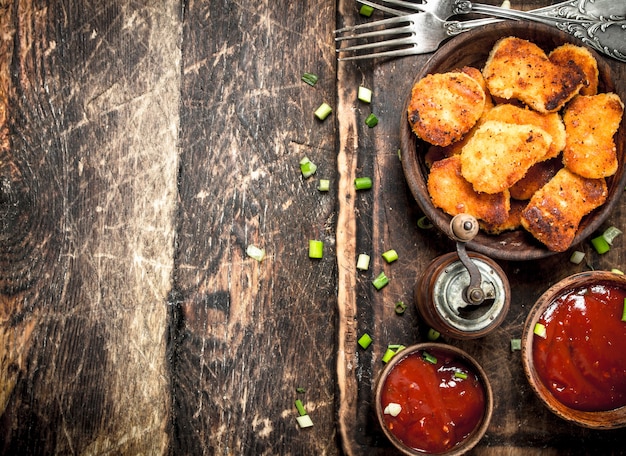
<point x="365" y="25"/>
<point x="385" y="32"/>
<point x="404" y="4"/>
<point x="378" y="44"/>
<point x="397" y="53"/>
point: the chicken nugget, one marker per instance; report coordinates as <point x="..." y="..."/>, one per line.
<point x="537" y="176"/>
<point x="582" y="57"/>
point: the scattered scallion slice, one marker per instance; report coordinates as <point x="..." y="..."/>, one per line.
<point x="624" y="311"/>
<point x="316" y="249"/>
<point x="600" y="244"/>
<point x="323" y="111"/>
<point x="540" y="330"/>
<point x="365" y="340"/>
<point x="300" y="390"/>
<point x="429" y="358"/>
<point x="323" y="185"/>
<point x="307" y="167"/>
<point x="255" y="252"/>
<point x="380" y="281"/>
<point x="460" y="375"/>
<point x="390" y="256"/>
<point x="363" y="183"/>
<point x="577" y="257"/>
<point x="516" y="344"/>
<point x="300" y="407"/>
<point x="424" y="223"/>
<point x="371" y="120"/>
<point x="617" y="271"/>
<point x="304" y="421"/>
<point x="364" y="94"/>
<point x="389" y="353"/>
<point x="310" y="78"/>
<point x="400" y="307"/>
<point x="610" y="234"/>
<point x="363" y="262"/>
<point x="366" y="10"/>
<point x="433" y="334"/>
<point x="392" y="409"/>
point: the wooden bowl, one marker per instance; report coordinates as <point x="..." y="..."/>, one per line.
<point x="479" y="430"/>
<point x="471" y="49"/>
<point x="611" y="419"/>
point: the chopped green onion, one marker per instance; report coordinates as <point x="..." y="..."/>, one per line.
<point x="323" y="185"/>
<point x="540" y="330"/>
<point x="304" y="421"/>
<point x="363" y="262"/>
<point x="610" y="234"/>
<point x="307" y="167"/>
<point x="460" y="375"/>
<point x="255" y="252"/>
<point x="600" y="244"/>
<point x="365" y="340"/>
<point x="624" y="311"/>
<point x="396" y="347"/>
<point x="364" y="94"/>
<point x="516" y="344"/>
<point x="433" y="334"/>
<point x="300" y="390"/>
<point x="310" y="78"/>
<point x="392" y="409"/>
<point x="300" y="407"/>
<point x="429" y="358"/>
<point x="400" y="154"/>
<point x="371" y="120"/>
<point x="577" y="257"/>
<point x="323" y="111"/>
<point x="390" y="256"/>
<point x="400" y="307"/>
<point x="617" y="271"/>
<point x="316" y="249"/>
<point x="391" y="351"/>
<point x="424" y="223"/>
<point x="363" y="183"/>
<point x="366" y="10"/>
<point x="380" y="281"/>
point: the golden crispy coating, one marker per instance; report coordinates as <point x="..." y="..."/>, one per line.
<point x="444" y="107"/>
<point x="537" y="176"/>
<point x="450" y="192"/>
<point x="582" y="57"/>
<point x="517" y="68"/>
<point x="513" y="221"/>
<point x="590" y="123"/>
<point x="550" y="123"/>
<point x="499" y="154"/>
<point x="555" y="211"/>
<point x="477" y="75"/>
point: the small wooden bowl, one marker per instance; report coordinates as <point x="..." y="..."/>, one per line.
<point x="468" y="443"/>
<point x="471" y="49"/>
<point x="611" y="419"/>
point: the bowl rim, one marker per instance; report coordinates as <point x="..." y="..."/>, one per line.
<point x="478" y="433"/>
<point x="601" y="420"/>
<point x="416" y="174"/>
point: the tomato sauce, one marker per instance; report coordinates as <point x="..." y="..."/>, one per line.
<point x="439" y="410"/>
<point x="582" y="360"/>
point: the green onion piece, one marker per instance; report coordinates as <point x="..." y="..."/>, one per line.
<point x="307" y="167"/>
<point x="433" y="334"/>
<point x="363" y="262"/>
<point x="300" y="407"/>
<point x="371" y="120"/>
<point x="323" y="185"/>
<point x="617" y="271"/>
<point x="610" y="234"/>
<point x="323" y="111"/>
<point x="366" y="10"/>
<point x="380" y="281"/>
<point x="540" y="330"/>
<point x="424" y="223"/>
<point x="396" y="347"/>
<point x="516" y="344"/>
<point x="390" y="256"/>
<point x="624" y="311"/>
<point x="364" y="94"/>
<point x="577" y="257"/>
<point x="365" y="340"/>
<point x="316" y="249"/>
<point x="400" y="154"/>
<point x="304" y="421"/>
<point x="255" y="252"/>
<point x="310" y="78"/>
<point x="300" y="390"/>
<point x="460" y="375"/>
<point x="600" y="244"/>
<point x="400" y="307"/>
<point x="429" y="358"/>
<point x="363" y="183"/>
<point x="389" y="353"/>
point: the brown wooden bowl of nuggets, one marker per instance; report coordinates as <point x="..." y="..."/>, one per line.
<point x="519" y="125"/>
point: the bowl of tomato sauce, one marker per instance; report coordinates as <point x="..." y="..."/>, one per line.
<point x="433" y="398"/>
<point x="574" y="349"/>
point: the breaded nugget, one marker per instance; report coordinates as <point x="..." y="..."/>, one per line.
<point x="590" y="124"/>
<point x="499" y="154"/>
<point x="551" y="123"/>
<point x="537" y="176"/>
<point x="517" y="68"/>
<point x="477" y="75"/>
<point x="554" y="212"/>
<point x="444" y="107"/>
<point x="513" y="221"/>
<point x="582" y="57"/>
<point x="450" y="192"/>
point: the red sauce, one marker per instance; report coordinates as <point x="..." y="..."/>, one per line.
<point x="582" y="360"/>
<point x="438" y="410"/>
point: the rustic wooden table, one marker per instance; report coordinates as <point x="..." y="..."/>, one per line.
<point x="143" y="146"/>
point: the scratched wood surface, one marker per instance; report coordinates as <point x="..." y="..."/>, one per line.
<point x="143" y="146"/>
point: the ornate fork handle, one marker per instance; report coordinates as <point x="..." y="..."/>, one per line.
<point x="603" y="11"/>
